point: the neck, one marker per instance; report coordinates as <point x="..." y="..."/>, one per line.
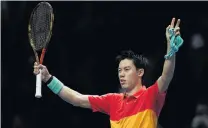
<point x="134" y="90"/>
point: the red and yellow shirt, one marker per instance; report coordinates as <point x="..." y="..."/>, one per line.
<point x="138" y="111"/>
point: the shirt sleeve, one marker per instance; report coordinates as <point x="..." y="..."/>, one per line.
<point x="159" y="98"/>
<point x="101" y="103"/>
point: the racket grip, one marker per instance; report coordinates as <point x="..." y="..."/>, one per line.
<point x="38" y="86"/>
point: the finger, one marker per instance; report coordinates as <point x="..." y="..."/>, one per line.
<point x="177" y="33"/>
<point x="36" y="71"/>
<point x="167" y="28"/>
<point x="177" y="29"/>
<point x="172" y="23"/>
<point x="40" y="66"/>
<point x="178" y="23"/>
<point x="36" y="63"/>
<point x="37" y="67"/>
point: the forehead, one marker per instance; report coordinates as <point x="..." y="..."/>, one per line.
<point x="125" y="63"/>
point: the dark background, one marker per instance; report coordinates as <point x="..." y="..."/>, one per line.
<point x="87" y="36"/>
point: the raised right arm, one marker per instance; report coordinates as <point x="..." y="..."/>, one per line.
<point x="73" y="97"/>
<point x="67" y="94"/>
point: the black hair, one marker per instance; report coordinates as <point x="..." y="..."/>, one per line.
<point x="139" y="60"/>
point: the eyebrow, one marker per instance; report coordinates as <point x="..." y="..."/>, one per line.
<point x="126" y="67"/>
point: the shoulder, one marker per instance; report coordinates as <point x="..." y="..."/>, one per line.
<point x="107" y="96"/>
<point x="115" y="95"/>
<point x="153" y="87"/>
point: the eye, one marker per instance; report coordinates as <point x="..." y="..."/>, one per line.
<point x="126" y="69"/>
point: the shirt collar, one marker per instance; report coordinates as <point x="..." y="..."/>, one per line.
<point x="137" y="94"/>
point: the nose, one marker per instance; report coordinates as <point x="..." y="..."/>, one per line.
<point x="121" y="74"/>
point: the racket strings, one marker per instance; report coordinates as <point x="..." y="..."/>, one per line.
<point x="40" y="24"/>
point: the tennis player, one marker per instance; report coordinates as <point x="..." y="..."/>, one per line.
<point x="137" y="106"/>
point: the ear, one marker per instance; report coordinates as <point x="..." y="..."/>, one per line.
<point x="140" y="72"/>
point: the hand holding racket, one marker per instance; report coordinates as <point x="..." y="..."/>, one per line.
<point x="39" y="32"/>
<point x="45" y="75"/>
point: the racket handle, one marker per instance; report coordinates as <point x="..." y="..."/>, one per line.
<point x="38" y="86"/>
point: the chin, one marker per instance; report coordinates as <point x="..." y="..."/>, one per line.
<point x="124" y="86"/>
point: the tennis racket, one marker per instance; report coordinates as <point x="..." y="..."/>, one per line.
<point x="39" y="32"/>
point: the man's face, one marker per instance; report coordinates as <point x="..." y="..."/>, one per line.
<point x="127" y="74"/>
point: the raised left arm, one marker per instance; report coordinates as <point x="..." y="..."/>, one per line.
<point x="169" y="64"/>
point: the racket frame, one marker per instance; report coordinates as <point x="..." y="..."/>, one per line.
<point x="38" y="93"/>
